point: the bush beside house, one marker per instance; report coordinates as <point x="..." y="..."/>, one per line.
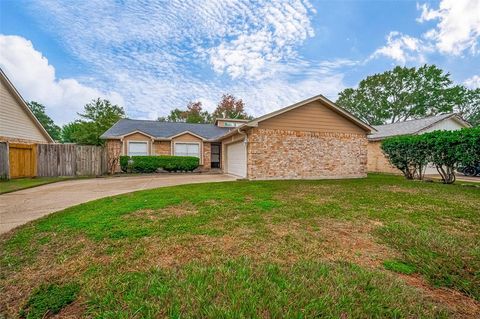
<point x="447" y="150"/>
<point x="150" y="164"/>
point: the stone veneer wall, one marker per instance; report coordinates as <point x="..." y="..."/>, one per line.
<point x="377" y="161"/>
<point x="276" y="154"/>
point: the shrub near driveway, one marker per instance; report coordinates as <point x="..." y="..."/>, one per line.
<point x="258" y="249"/>
<point x="149" y="164"/>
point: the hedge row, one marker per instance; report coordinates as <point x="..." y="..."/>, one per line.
<point x="149" y="164"/>
<point x="447" y="150"/>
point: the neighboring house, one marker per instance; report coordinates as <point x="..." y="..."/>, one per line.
<point x="378" y="162"/>
<point x="17" y="122"/>
<point x="311" y="139"/>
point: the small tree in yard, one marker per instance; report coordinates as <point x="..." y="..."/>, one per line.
<point x="449" y="149"/>
<point x="408" y="154"/>
<point x="445" y="149"/>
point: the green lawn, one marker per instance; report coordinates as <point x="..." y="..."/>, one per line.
<point x="375" y="247"/>
<point x="22" y="183"/>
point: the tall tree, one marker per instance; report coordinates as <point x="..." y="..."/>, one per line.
<point x="193" y="114"/>
<point x="400" y="94"/>
<point x="98" y="116"/>
<point x="467" y="103"/>
<point x="48" y="124"/>
<point x="230" y="107"/>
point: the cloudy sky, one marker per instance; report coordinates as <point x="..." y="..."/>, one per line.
<point x="153" y="56"/>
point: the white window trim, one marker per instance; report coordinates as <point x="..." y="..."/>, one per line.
<point x="145" y="142"/>
<point x="200" y="149"/>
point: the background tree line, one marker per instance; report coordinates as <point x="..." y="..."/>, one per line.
<point x="228" y="107"/>
<point x="99" y="115"/>
<point x="392" y="96"/>
<point x="410" y="93"/>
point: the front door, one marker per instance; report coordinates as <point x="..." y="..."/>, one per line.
<point x="215" y="155"/>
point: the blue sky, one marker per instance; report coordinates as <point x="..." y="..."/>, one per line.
<point x="153" y="56"/>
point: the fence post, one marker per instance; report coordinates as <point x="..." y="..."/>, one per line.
<point x="4" y="161"/>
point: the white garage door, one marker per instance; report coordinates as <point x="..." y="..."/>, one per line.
<point x="237" y="159"/>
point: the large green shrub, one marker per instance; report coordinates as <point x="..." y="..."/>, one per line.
<point x="450" y="149"/>
<point x="445" y="149"/>
<point x="149" y="164"/>
<point x="408" y="154"/>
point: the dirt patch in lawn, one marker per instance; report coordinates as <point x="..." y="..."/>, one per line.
<point x="283" y="243"/>
<point x="158" y="214"/>
<point x="51" y="265"/>
<point x="461" y="305"/>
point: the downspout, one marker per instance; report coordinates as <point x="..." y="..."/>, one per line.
<point x="245" y="141"/>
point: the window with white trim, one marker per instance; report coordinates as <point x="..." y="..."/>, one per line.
<point x="137" y="148"/>
<point x="187" y="149"/>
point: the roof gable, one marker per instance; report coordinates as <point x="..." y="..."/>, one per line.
<point x="12" y="91"/>
<point x="320" y="98"/>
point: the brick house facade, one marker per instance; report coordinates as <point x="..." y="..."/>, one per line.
<point x="311" y="139"/>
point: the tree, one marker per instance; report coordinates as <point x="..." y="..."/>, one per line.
<point x="400" y="94"/>
<point x="193" y="114"/>
<point x="69" y="132"/>
<point x="467" y="103"/>
<point x="407" y="153"/>
<point x="99" y="115"/>
<point x="48" y="124"/>
<point x="447" y="150"/>
<point x="230" y="107"/>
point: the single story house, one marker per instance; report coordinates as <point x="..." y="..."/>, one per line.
<point x="313" y="139"/>
<point x="17" y="122"/>
<point x="378" y="162"/>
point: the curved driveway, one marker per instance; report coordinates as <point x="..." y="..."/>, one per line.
<point x="22" y="206"/>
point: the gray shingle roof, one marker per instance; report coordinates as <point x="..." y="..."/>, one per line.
<point x="163" y="129"/>
<point x="406" y="128"/>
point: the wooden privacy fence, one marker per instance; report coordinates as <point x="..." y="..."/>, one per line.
<point x="70" y="160"/>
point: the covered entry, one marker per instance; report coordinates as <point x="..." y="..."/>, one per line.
<point x="237" y="159"/>
<point x="22" y="158"/>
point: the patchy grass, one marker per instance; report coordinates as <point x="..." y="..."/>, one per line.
<point x="258" y="249"/>
<point x="48" y="300"/>
<point x="23" y="183"/>
<point x="398" y="266"/>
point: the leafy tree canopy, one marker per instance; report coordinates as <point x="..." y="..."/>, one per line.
<point x="230" y="107"/>
<point x="408" y="93"/>
<point x="48" y="124"/>
<point x="98" y="116"/>
<point x="69" y="130"/>
<point x="193" y="114"/>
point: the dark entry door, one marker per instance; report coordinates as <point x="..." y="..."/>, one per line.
<point x="215" y="156"/>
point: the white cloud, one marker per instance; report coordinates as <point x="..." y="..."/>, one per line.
<point x="458" y="27"/>
<point x="457" y="31"/>
<point x="253" y="54"/>
<point x="161" y="55"/>
<point x="473" y="82"/>
<point x="403" y="48"/>
<point x="35" y="79"/>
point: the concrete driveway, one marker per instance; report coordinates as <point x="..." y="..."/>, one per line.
<point x="20" y="207"/>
